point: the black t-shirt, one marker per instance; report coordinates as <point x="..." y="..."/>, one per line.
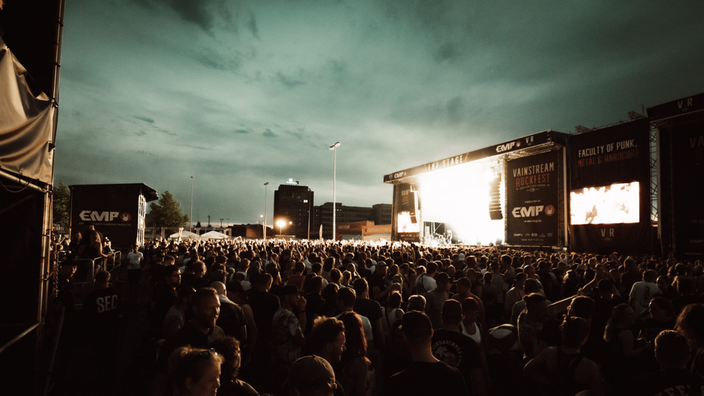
<point x="423" y="379"/>
<point x="372" y="310"/>
<point x="163" y="296"/>
<point x="264" y="305"/>
<point x="100" y="311"/>
<point x="377" y="281"/>
<point x="369" y="308"/>
<point x="457" y="350"/>
<point x="186" y="335"/>
<point x="237" y="388"/>
<point x="666" y="382"/>
<point x="231" y="319"/>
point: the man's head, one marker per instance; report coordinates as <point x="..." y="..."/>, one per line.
<point x="198" y="269"/>
<point x="206" y="307"/>
<point x="102" y="278"/>
<point x="451" y="312"/>
<point x="432" y="268"/>
<point x="531" y="286"/>
<point x="464" y="285"/>
<point x="346" y="298"/>
<point x="311" y="376"/>
<point x="671" y="350"/>
<point x="219" y="287"/>
<point x="470" y="310"/>
<point x="443" y="282"/>
<point x="537" y="307"/>
<point x="361" y="287"/>
<point x="416" y="302"/>
<point x="650" y="276"/>
<point x="172" y="275"/>
<point x="417" y="328"/>
<point x="327" y="339"/>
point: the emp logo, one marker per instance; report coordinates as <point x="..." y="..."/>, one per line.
<point x="93" y="215"/>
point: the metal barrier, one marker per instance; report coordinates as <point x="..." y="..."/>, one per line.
<point x="85" y="284"/>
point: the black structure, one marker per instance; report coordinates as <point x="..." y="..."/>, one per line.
<point x="680" y="137"/>
<point x="116" y="210"/>
<point x="293" y="204"/>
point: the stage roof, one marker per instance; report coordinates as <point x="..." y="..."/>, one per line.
<point x="547" y="137"/>
<point x="149" y="193"/>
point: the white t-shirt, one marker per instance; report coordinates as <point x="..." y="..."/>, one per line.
<point x="135" y="260"/>
<point x="641" y="294"/>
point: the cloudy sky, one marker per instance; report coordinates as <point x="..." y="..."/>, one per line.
<point x="237" y="93"/>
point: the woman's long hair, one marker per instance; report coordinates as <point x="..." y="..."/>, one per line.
<point x="355" y="344"/>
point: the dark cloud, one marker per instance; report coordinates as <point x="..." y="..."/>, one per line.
<point x="219" y="61"/>
<point x="447" y="52"/>
<point x="140" y="133"/>
<point x="268" y="133"/>
<point x="243" y="131"/>
<point x="287" y="81"/>
<point x="210" y="14"/>
<point x="251" y="24"/>
<point x="297" y="134"/>
<point x="145" y="119"/>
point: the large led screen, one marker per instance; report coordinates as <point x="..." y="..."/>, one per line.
<point x="618" y="203"/>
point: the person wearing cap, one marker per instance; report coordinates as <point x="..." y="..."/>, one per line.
<point x="457" y="350"/>
<point x="311" y="376"/>
<point x="435" y="299"/>
<point x="426" y="375"/>
<point x="287" y="328"/>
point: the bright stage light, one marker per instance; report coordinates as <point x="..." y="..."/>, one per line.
<point x="405" y="224"/>
<point x="459" y="197"/>
<point x="615" y="204"/>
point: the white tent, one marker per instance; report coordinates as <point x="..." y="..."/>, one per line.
<point x="185" y="235"/>
<point x="214" y="235"/>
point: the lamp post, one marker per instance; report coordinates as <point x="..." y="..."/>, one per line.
<point x="265" y="190"/>
<point x="190" y="219"/>
<point x="334" y="182"/>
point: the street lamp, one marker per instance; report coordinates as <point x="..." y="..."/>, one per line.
<point x="265" y="190"/>
<point x="334" y="185"/>
<point x="281" y="223"/>
<point x="190" y="222"/>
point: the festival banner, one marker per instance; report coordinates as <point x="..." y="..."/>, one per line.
<point x="610" y="189"/>
<point x="688" y="168"/>
<point x="532" y="196"/>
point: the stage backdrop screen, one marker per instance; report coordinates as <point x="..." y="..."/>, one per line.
<point x="609" y="192"/>
<point x="532" y="195"/>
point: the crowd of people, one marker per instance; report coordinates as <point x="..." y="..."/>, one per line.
<point x="354" y="318"/>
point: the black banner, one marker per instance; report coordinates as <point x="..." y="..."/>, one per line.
<point x="610" y="189"/>
<point x="532" y="194"/>
<point x="688" y="168"/>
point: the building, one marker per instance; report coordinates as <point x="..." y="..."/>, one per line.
<point x="377" y="214"/>
<point x="293" y="208"/>
<point x="381" y="214"/>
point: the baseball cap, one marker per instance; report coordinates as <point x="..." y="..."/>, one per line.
<point x="310" y="371"/>
<point x="416" y="324"/>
